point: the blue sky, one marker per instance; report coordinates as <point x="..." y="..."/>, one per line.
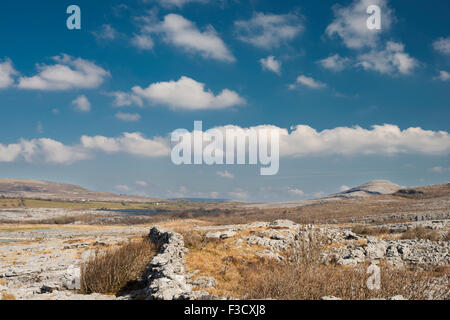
<point x="146" y="68"/>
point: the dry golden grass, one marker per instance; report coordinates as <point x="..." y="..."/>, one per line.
<point x="114" y="270"/>
<point x="219" y="259"/>
<point x="301" y="276"/>
<point x="304" y="277"/>
<point x="421" y="233"/>
<point x="447" y="236"/>
<point x="371" y="231"/>
<point x="7" y="296"/>
<point x="291" y="281"/>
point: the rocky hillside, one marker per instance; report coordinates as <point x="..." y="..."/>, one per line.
<point x="370" y="188"/>
<point x="61" y="191"/>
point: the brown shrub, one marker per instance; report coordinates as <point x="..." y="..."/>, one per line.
<point x="7" y="296"/>
<point x="371" y="231"/>
<point x="447" y="236"/>
<point x="197" y="240"/>
<point x="421" y="233"/>
<point x="112" y="270"/>
<point x="303" y="276"/>
<point x="288" y="281"/>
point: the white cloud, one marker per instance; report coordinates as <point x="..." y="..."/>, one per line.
<point x="225" y="174"/>
<point x="334" y="62"/>
<point x="344" y="188"/>
<point x="269" y="30"/>
<point x="443" y="76"/>
<point x="7" y="72"/>
<point x="391" y="60"/>
<point x="67" y="73"/>
<point x="182" y="33"/>
<point x="379" y="140"/>
<point x="442" y="45"/>
<point x="44" y="149"/>
<point x="178" y="3"/>
<point x="130" y="117"/>
<point x="299" y="141"/>
<point x="123" y="188"/>
<point x="107" y="32"/>
<point x="123" y="99"/>
<point x="308" y="82"/>
<point x="382" y="140"/>
<point x="142" y="42"/>
<point x="296" y="192"/>
<point x="188" y="94"/>
<point x="130" y="143"/>
<point x="82" y="104"/>
<point x="141" y="183"/>
<point x="270" y="63"/>
<point x="439" y="170"/>
<point x="10" y="152"/>
<point x="350" y="23"/>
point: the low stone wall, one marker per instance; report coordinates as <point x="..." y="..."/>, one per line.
<point x="167" y="280"/>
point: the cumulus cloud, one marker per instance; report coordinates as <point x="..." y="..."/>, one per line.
<point x="271" y="64"/>
<point x="350" y="23"/>
<point x="130" y="143"/>
<point x="7" y="73"/>
<point x="382" y="140"/>
<point x="123" y="188"/>
<point x="124" y="99"/>
<point x="442" y="45"/>
<point x="182" y="33"/>
<point x="185" y="93"/>
<point x="334" y="62"/>
<point x="106" y="32"/>
<point x="67" y="73"/>
<point x="296" y="192"/>
<point x="44" y="149"/>
<point x="141" y="183"/>
<point x="269" y="30"/>
<point x="142" y="42"/>
<point x="298" y="141"/>
<point x="130" y="117"/>
<point x="307" y="82"/>
<point x="391" y="60"/>
<point x="443" y="76"/>
<point x="225" y="174"/>
<point x="385" y="139"/>
<point x="82" y="104"/>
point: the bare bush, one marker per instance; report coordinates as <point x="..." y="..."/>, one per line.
<point x="304" y="277"/>
<point x="371" y="231"/>
<point x="111" y="270"/>
<point x="421" y="233"/>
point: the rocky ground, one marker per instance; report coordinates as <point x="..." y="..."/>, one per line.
<point x="41" y="248"/>
<point x="36" y="260"/>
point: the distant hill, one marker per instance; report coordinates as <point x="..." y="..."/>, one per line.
<point x="366" y="191"/>
<point x="60" y="191"/>
<point x="369" y="189"/>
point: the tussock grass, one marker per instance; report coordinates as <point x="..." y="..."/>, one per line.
<point x="304" y="277"/>
<point x="371" y="231"/>
<point x="421" y="233"/>
<point x="113" y="270"/>
<point x="7" y="296"/>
